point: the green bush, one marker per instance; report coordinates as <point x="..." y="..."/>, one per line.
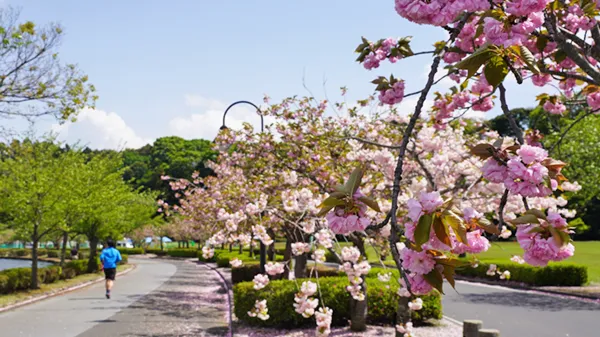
<point x="53" y="253"/>
<point x="40" y="252"/>
<point x="124" y="259"/>
<point x="17" y="279"/>
<point x="78" y="266"/>
<point x="183" y="252"/>
<point x="158" y="252"/>
<point x="553" y="275"/>
<point x="131" y="251"/>
<point x="83" y="255"/>
<point x="247" y="271"/>
<point x="382" y="302"/>
<point x="21" y="252"/>
<point x="50" y="274"/>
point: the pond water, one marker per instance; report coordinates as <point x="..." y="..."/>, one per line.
<point x="14" y="263"/>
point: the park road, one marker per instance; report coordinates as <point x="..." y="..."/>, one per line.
<point x="517" y="313"/>
<point x="158" y="298"/>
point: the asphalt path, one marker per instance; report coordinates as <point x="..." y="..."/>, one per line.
<point x="517" y="313"/>
<point x="158" y="298"/>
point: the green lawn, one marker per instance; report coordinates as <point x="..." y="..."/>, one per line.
<point x="587" y="253"/>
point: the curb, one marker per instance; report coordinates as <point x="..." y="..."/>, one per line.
<point x="60" y="292"/>
<point x="525" y="288"/>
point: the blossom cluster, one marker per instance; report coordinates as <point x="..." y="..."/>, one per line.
<point x="540" y="246"/>
<point x="344" y="221"/>
<point x="523" y="174"/>
<point x="304" y="303"/>
<point x="355" y="271"/>
<point x="260" y="310"/>
<point x="207" y="252"/>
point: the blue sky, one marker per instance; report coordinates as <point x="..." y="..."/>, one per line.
<point x="170" y="68"/>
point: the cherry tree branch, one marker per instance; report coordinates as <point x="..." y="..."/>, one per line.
<point x="511" y="120"/>
<point x="503" y="202"/>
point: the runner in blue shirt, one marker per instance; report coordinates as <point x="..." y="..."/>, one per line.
<point x="110" y="257"/>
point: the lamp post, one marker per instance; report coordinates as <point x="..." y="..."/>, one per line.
<point x="263" y="248"/>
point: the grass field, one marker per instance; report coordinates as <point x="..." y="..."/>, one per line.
<point x="19" y="296"/>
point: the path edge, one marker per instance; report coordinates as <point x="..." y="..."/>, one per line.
<point x="61" y="292"/>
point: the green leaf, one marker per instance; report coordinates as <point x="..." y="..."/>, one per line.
<point x="370" y="202"/>
<point x="560" y="56"/>
<point x="449" y="275"/>
<point x="473" y="62"/>
<point x="495" y="70"/>
<point x="435" y="279"/>
<point x="441" y="232"/>
<point x="341" y="189"/>
<point x="541" y="43"/>
<point x="328" y="204"/>
<point x="487" y="226"/>
<point x="560" y="238"/>
<point x="538" y="214"/>
<point x="525" y="219"/>
<point x="338" y="195"/>
<point x="353" y="182"/>
<point x="423" y="229"/>
<point x="457" y="224"/>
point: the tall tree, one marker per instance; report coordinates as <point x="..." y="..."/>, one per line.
<point x="34" y="190"/>
<point x="33" y="81"/>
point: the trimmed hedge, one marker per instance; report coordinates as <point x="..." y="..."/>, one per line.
<point x="559" y="275"/>
<point x="183" y="252"/>
<point x="131" y="251"/>
<point x="382" y="303"/>
<point x="247" y="271"/>
<point x="158" y="252"/>
<point x="124" y="259"/>
<point x="54" y="253"/>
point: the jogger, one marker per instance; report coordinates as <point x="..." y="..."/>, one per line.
<point x="110" y="257"/>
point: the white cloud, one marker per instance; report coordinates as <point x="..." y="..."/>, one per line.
<point x="100" y="129"/>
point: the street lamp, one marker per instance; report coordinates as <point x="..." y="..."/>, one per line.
<point x="263" y="248"/>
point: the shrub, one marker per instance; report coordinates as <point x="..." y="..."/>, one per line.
<point x="21" y="252"/>
<point x="553" y="275"/>
<point x="131" y="251"/>
<point x="382" y="302"/>
<point x="248" y="270"/>
<point x="79" y="267"/>
<point x="3" y="283"/>
<point x="53" y="253"/>
<point x="17" y="279"/>
<point x="158" y="252"/>
<point x="40" y="252"/>
<point x="124" y="259"/>
<point x="183" y="252"/>
<point x="83" y="255"/>
<point x="50" y="274"/>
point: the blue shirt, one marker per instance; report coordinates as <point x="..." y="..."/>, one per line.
<point x="110" y="257"/>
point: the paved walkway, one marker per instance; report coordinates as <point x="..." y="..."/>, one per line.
<point x="160" y="298"/>
<point x="518" y="313"/>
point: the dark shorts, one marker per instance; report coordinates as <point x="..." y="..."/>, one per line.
<point x="110" y="273"/>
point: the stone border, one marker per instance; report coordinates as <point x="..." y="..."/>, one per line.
<point x="60" y="292"/>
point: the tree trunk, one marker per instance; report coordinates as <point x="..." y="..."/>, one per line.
<point x="402" y="313"/>
<point x="161" y="244"/>
<point x="358" y="312"/>
<point x="251" y="253"/>
<point x="287" y="256"/>
<point x="300" y="266"/>
<point x="93" y="260"/>
<point x="63" y="251"/>
<point x="178" y="244"/>
<point x="241" y="248"/>
<point x="187" y="244"/>
<point x="271" y="248"/>
<point x="358" y="309"/>
<point x="34" y="262"/>
<point x="231" y="247"/>
<point x="223" y="246"/>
